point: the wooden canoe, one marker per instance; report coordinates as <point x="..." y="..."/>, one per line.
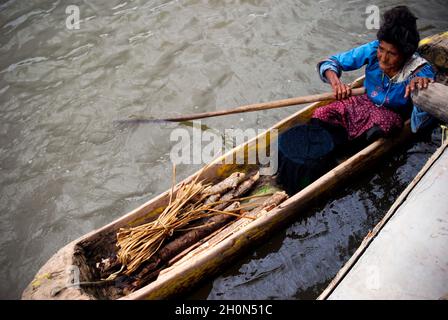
<point x="211" y="256"/>
<point x="220" y="249"/>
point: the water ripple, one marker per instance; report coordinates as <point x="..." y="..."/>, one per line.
<point x="22" y="63"/>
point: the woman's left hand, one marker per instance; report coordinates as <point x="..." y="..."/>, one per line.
<point x="417" y="83"/>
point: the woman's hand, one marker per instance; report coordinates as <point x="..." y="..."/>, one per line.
<point x="340" y="89"/>
<point x="417" y="83"/>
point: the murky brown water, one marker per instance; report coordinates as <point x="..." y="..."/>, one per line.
<point x="66" y="169"/>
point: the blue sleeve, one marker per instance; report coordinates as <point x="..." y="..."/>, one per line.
<point x="349" y="60"/>
<point x="420" y="118"/>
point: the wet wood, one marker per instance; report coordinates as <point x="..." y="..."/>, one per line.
<point x="211" y="199"/>
<point x="433" y="100"/>
<point x="269" y="204"/>
<point x="244" y="187"/>
<point x="229" y="183"/>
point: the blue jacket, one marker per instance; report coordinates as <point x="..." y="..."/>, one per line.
<point x="381" y="89"/>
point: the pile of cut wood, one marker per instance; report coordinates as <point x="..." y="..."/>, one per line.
<point x="194" y="212"/>
<point x="435" y="50"/>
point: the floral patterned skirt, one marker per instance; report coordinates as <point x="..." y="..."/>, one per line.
<point x="358" y="114"/>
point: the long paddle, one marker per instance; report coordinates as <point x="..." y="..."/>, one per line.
<point x="249" y="107"/>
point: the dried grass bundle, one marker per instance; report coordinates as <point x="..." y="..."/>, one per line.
<point x="191" y="202"/>
<point x="140" y="243"/>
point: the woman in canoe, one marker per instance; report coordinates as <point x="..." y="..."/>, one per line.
<point x="393" y="71"/>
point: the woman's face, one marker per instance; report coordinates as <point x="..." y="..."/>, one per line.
<point x="389" y="58"/>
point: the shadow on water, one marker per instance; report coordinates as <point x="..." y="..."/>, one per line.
<point x="300" y="261"/>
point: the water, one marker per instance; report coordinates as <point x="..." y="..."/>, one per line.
<point x="66" y="169"/>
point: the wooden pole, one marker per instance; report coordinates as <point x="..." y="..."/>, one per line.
<point x="433" y="100"/>
<point x="251" y="107"/>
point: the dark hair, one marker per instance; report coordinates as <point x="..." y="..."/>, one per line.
<point x="399" y="28"/>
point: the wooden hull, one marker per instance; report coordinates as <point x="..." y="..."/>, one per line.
<point x="213" y="255"/>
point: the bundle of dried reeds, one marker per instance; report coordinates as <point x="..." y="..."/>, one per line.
<point x="191" y="202"/>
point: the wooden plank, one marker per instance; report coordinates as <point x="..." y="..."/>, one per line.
<point x="372" y="234"/>
<point x="433" y="100"/>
